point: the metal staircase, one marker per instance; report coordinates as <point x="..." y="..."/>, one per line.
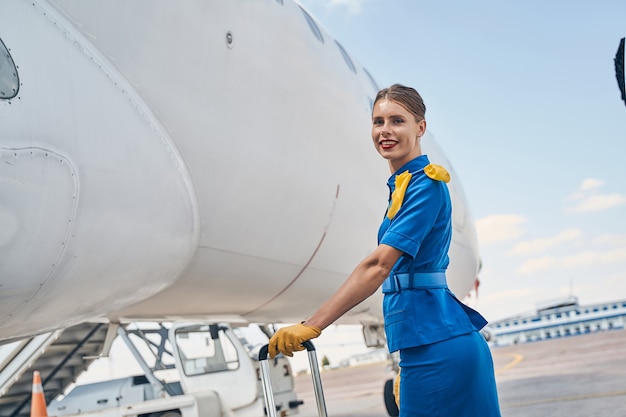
<point x="60" y="357"/>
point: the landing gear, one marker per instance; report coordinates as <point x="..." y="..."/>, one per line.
<point x="171" y="413"/>
<point x="390" y="399"/>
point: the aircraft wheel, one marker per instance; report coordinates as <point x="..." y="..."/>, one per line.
<point x="390" y="399"/>
<point x="170" y="413"/>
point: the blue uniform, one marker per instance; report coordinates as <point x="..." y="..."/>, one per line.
<point x="446" y="366"/>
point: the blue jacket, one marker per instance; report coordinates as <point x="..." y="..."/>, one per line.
<point x="418" y="223"/>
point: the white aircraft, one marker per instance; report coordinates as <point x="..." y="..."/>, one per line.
<point x="164" y="160"/>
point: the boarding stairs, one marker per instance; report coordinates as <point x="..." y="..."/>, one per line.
<point x="60" y="357"/>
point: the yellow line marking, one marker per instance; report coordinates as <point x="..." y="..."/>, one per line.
<point x="517" y="358"/>
<point x="561" y="399"/>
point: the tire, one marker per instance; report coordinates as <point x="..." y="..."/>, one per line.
<point x="390" y="399"/>
<point x="169" y="413"/>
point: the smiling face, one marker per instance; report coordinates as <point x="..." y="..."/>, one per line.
<point x="396" y="133"/>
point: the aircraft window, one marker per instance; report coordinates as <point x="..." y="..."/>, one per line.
<point x="346" y="57"/>
<point x="9" y="80"/>
<point x="372" y="81"/>
<point x="314" y="28"/>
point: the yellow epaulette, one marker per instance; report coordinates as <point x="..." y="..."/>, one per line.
<point x="437" y="172"/>
<point x="397" y="197"/>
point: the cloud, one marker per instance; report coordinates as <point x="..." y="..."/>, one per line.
<point x="610" y="240"/>
<point x="576" y="261"/>
<point x="590" y="184"/>
<point x="499" y="228"/>
<point x="599" y="202"/>
<point x="584" y="188"/>
<point x="589" y="199"/>
<point x="532" y="266"/>
<point x="543" y="244"/>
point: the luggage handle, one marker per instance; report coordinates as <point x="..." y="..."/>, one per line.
<point x="268" y="395"/>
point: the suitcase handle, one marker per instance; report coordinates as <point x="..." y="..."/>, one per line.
<point x="264" y="352"/>
<point x="268" y="395"/>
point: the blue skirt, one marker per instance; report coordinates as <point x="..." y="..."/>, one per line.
<point x="451" y="378"/>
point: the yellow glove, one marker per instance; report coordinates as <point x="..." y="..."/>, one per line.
<point x="289" y="339"/>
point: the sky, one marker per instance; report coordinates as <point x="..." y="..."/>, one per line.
<point x="522" y="97"/>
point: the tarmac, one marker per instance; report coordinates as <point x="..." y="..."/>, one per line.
<point x="576" y="376"/>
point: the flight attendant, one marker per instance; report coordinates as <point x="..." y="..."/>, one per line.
<point x="446" y="365"/>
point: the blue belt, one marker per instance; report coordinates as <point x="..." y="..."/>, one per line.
<point x="416" y="280"/>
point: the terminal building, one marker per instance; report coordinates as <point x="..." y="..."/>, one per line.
<point x="558" y="318"/>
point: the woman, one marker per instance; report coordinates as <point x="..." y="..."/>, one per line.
<point x="446" y="366"/>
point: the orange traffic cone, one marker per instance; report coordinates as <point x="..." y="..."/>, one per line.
<point x="38" y="401"/>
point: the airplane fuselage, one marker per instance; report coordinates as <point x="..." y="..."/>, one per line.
<point x="165" y="160"/>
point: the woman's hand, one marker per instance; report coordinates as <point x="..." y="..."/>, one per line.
<point x="289" y="339"/>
